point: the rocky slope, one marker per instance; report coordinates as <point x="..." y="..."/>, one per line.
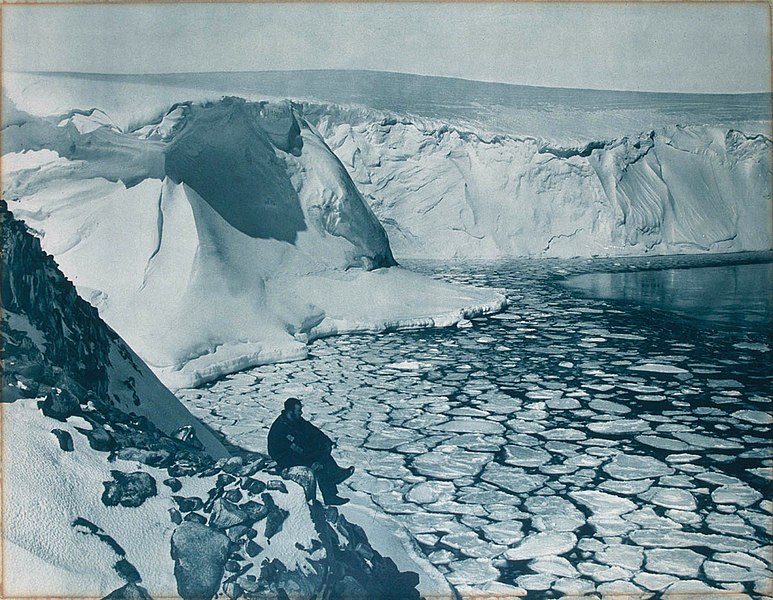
<point x="101" y="501"/>
<point x="442" y="191"/>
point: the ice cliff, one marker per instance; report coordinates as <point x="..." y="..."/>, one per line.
<point x="217" y="236"/>
<point x="442" y="191"/>
<point x="100" y="502"/>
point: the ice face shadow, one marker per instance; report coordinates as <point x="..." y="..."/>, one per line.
<point x="231" y="163"/>
<point x="734" y="295"/>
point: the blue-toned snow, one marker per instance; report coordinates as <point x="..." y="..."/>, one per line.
<point x="570" y="444"/>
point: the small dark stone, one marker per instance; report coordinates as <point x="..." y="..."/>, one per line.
<point x="99" y="438"/>
<point x="231" y="566"/>
<point x="65" y="439"/>
<point x="226" y="514"/>
<point x="224" y="479"/>
<point x="188" y="504"/>
<point x="193" y="517"/>
<point x="255" y="510"/>
<point x="252" y="467"/>
<point x="253" y="549"/>
<point x="173" y="483"/>
<point x="277" y="485"/>
<point x="175" y="516"/>
<point x="130" y="591"/>
<point x="233" y="465"/>
<point x="233" y="590"/>
<point x="127" y="571"/>
<point x="128" y="489"/>
<point x="233" y="496"/>
<point x="254" y="486"/>
<point x="237" y="532"/>
<point x="187" y="435"/>
<point x="275" y="518"/>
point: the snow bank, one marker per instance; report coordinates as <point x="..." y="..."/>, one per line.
<point x="218" y="237"/>
<point x="444" y="192"/>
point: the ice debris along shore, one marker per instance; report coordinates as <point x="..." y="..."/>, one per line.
<point x="162" y="230"/>
<point x="532" y="454"/>
<point x="112" y="489"/>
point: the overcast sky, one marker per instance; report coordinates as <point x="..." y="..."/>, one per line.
<point x="687" y="47"/>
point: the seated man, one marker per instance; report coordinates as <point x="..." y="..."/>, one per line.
<point x="293" y="441"/>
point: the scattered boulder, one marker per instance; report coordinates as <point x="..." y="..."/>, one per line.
<point x="193" y="517"/>
<point x="59" y="404"/>
<point x="199" y="553"/>
<point x="173" y="484"/>
<point x="127" y="571"/>
<point x="275" y="518"/>
<point x="99" y="438"/>
<point x="253" y="549"/>
<point x="128" y="489"/>
<point x="188" y="504"/>
<point x="255" y="510"/>
<point x="65" y="439"/>
<point x="304" y="477"/>
<point x="233" y="496"/>
<point x="277" y="485"/>
<point x="153" y="458"/>
<point x="225" y="514"/>
<point x="253" y="486"/>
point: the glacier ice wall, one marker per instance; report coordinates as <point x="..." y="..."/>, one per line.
<point x="445" y="192"/>
<point x="217" y="237"/>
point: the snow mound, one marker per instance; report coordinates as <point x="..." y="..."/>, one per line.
<point x="217" y="237"/>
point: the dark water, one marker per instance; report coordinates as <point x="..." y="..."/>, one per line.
<point x="733" y="296"/>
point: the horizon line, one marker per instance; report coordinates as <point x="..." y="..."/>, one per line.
<point x="422" y="75"/>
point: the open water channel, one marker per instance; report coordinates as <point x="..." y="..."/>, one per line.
<point x="609" y="433"/>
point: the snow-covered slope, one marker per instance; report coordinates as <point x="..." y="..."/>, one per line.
<point x="444" y="192"/>
<point x="99" y="502"/>
<point x="86" y="359"/>
<point x="216" y="237"/>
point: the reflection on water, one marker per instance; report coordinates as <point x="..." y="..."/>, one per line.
<point x="733" y="295"/>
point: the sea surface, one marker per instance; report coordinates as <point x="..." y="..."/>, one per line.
<point x="609" y="432"/>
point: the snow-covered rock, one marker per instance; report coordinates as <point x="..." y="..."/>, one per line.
<point x="219" y="236"/>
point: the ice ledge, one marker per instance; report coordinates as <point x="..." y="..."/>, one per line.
<point x="379" y="301"/>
